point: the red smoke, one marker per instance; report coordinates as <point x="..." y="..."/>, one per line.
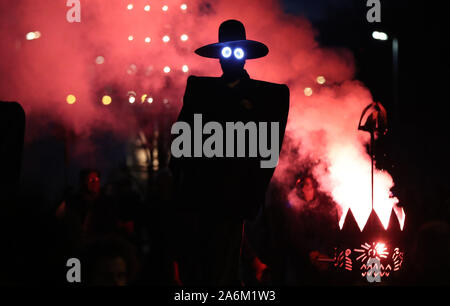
<point x="322" y="128"/>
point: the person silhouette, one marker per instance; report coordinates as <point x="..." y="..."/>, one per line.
<point x="215" y="195"/>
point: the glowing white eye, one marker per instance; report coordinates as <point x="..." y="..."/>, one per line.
<point x="226" y="52"/>
<point x="239" y="53"/>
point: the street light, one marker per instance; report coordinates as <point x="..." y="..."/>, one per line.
<point x="383" y="36"/>
<point x="380" y="35"/>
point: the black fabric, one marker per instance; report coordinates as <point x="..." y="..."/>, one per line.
<point x="232" y="34"/>
<point x="253" y="49"/>
<point x="208" y="249"/>
<point x="214" y="195"/>
<point x="228" y="186"/>
<point x="12" y="132"/>
<point x="12" y="127"/>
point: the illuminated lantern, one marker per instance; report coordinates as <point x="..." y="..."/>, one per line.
<point x="375" y="252"/>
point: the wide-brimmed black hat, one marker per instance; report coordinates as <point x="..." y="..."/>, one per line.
<point x="232" y="34"/>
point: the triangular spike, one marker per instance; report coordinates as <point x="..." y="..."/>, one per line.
<point x="350" y="224"/>
<point x="394" y="224"/>
<point x="350" y="233"/>
<point x="373" y="228"/>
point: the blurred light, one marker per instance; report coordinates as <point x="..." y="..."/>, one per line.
<point x="166" y="69"/>
<point x="106" y="100"/>
<point x="132" y="69"/>
<point x="150" y="100"/>
<point x="130" y="6"/>
<point x="30" y="36"/>
<point x="99" y="60"/>
<point x="155" y="159"/>
<point x="148" y="40"/>
<point x="148" y="70"/>
<point x="131" y="97"/>
<point x="166" y="38"/>
<point x="143" y="98"/>
<point x="321" y="80"/>
<point x="239" y="53"/>
<point x="165" y="8"/>
<point x="380" y="249"/>
<point x="183" y="7"/>
<point x="226" y="52"/>
<point x="379" y="35"/>
<point x="184" y="37"/>
<point x="308" y="91"/>
<point x="130" y="38"/>
<point x="185" y="68"/>
<point x="33" y="35"/>
<point x="147" y="8"/>
<point x="165" y="101"/>
<point x="71" y="99"/>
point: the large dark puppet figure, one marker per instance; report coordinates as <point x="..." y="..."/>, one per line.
<point x="215" y="195"/>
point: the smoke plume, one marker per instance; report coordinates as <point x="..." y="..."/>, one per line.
<point x="107" y="54"/>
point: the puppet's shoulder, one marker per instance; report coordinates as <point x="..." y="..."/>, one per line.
<point x="282" y="89"/>
<point x="194" y="81"/>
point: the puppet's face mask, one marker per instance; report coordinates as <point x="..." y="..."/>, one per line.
<point x="232" y="60"/>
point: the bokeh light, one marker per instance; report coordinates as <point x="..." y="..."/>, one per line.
<point x="106" y="100"/>
<point x="321" y="80"/>
<point x="71" y="99"/>
<point x="99" y="60"/>
<point x="33" y="35"/>
<point x="308" y="91"/>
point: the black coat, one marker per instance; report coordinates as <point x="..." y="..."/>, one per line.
<point x="228" y="186"/>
